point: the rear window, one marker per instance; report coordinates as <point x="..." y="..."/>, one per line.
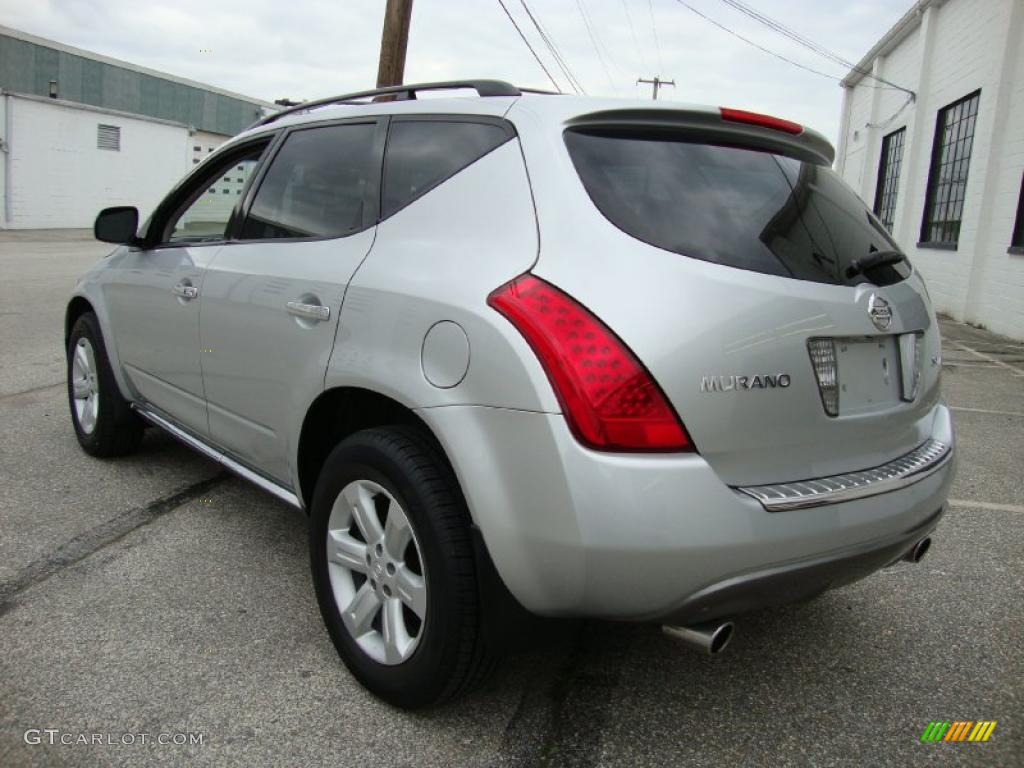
<point x="743" y="208"/>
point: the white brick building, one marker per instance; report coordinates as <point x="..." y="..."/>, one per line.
<point x="943" y="168"/>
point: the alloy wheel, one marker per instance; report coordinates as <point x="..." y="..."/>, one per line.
<point x="84" y="385"/>
<point x="376" y="571"/>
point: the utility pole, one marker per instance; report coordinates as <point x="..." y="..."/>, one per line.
<point x="657" y="82"/>
<point x="393" y="42"/>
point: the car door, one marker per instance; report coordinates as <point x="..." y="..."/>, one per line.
<point x="154" y="293"/>
<point x="272" y="296"/>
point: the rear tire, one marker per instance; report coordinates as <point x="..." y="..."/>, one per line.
<point x="104" y="422"/>
<point x="398" y="592"/>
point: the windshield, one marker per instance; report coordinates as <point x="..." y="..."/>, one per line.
<point x="743" y="208"/>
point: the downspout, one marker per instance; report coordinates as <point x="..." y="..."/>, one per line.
<point x="5" y="153"/>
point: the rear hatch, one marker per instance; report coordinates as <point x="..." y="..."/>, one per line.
<point x="780" y="318"/>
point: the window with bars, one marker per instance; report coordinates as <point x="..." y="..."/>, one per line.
<point x="1017" y="241"/>
<point x="108" y="137"/>
<point x="947" y="177"/>
<point x="889" y="165"/>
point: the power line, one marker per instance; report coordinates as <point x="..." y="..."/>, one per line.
<point x="574" y="82"/>
<point x="553" y="48"/>
<point x="889" y="120"/>
<point x="796" y="37"/>
<point x="600" y="41"/>
<point x="593" y="41"/>
<point x="553" y="81"/>
<point x="654" y="28"/>
<point x="759" y="47"/>
<point x="641" y="59"/>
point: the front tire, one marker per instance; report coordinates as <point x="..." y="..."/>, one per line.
<point x="393" y="568"/>
<point x="104" y="422"/>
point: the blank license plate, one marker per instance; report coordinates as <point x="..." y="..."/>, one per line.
<point x="869" y="374"/>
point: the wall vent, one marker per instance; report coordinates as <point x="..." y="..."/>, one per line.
<point x="108" y="137"/>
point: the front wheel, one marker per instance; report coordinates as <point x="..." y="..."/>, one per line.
<point x="393" y="568"/>
<point x="104" y="422"/>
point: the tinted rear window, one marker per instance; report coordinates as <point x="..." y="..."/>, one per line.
<point x="423" y="153"/>
<point x="739" y="207"/>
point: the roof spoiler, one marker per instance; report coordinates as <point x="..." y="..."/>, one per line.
<point x="728" y="126"/>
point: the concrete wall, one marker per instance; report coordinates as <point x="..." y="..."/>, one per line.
<point x="57" y="177"/>
<point x="958" y="46"/>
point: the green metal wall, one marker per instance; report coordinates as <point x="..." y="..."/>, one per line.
<point x="28" y="68"/>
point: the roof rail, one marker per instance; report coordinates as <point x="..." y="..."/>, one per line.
<point x="401" y="92"/>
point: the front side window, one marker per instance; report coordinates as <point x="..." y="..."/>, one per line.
<point x="423" y="153"/>
<point x="947" y="178"/>
<point x="889" y="165"/>
<point x="316" y="185"/>
<point x="205" y="218"/>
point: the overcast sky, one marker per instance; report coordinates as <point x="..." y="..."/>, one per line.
<point x="308" y="48"/>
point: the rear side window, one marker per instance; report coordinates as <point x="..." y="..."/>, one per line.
<point x="423" y="153"/>
<point x="743" y="208"/>
<point x="316" y="185"/>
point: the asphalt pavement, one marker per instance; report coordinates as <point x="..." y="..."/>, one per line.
<point x="158" y="596"/>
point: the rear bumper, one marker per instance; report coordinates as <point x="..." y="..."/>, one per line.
<point x="573" y="532"/>
<point x="791" y="582"/>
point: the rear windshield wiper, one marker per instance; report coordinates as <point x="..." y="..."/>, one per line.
<point x="872" y="260"/>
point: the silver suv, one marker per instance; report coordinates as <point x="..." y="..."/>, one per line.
<point x="524" y="355"/>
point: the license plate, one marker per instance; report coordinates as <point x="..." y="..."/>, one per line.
<point x="869" y="374"/>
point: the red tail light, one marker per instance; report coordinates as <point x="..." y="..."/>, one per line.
<point x="609" y="399"/>
<point x="756" y="118"/>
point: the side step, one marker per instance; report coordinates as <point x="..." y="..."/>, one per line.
<point x="220" y="457"/>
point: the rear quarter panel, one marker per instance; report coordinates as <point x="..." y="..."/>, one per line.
<point x="436" y="260"/>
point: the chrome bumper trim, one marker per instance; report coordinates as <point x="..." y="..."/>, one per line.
<point x="898" y="473"/>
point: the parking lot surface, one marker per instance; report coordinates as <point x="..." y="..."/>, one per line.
<point x="159" y="595"/>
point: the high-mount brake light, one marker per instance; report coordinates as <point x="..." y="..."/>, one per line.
<point x="609" y="400"/>
<point x="765" y="121"/>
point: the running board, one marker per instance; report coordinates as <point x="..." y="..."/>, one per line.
<point x="220" y="457"/>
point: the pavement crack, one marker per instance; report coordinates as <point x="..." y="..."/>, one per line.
<point x="563" y="723"/>
<point x="31" y="391"/>
<point x="98" y="537"/>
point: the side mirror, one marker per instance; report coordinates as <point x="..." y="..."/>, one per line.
<point x="117" y="225"/>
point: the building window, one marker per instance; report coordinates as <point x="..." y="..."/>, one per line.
<point x="1017" y="241"/>
<point x="108" y="137"/>
<point x="889" y="177"/>
<point x="947" y="177"/>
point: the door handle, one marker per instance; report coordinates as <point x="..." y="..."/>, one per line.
<point x="186" y="291"/>
<point x="316" y="312"/>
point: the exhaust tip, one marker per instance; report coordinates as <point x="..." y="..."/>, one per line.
<point x="707" y="638"/>
<point x="720" y="638"/>
<point x="919" y="550"/>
